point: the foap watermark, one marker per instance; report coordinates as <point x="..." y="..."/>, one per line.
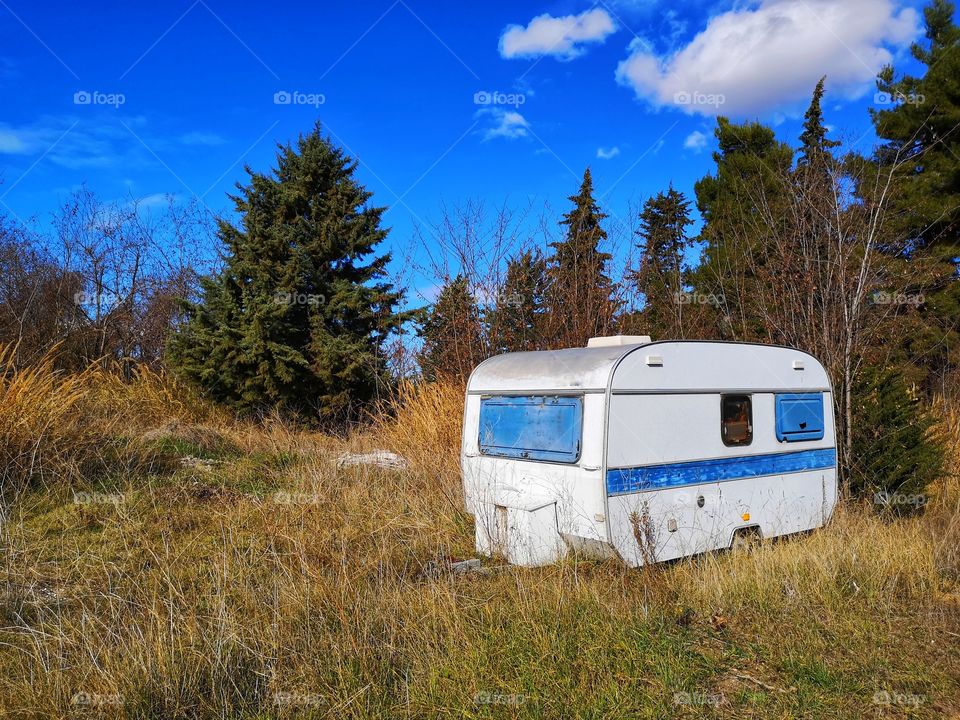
<point x="899" y="98"/>
<point x="885" y="498"/>
<point x="297" y="298"/>
<point x="295" y="97"/>
<point x="297" y="698"/>
<point x="885" y="697"/>
<point x="95" y="97"/>
<point x="509" y="299"/>
<point x="87" y="299"/>
<point x="882" y="297"/>
<point x="495" y="97"/>
<point x="283" y="497"/>
<point x="95" y="699"/>
<point x="694" y="298"/>
<point x="697" y="698"/>
<point x="485" y="697"/>
<point x="98" y="498"/>
<point x="696" y="97"/>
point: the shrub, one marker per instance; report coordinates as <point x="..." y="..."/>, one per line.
<point x="896" y="455"/>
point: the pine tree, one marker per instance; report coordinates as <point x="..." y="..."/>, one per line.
<point x="923" y="122"/>
<point x="737" y="204"/>
<point x="516" y="321"/>
<point x="298" y="315"/>
<point x="661" y="277"/>
<point x="807" y="268"/>
<point x="893" y="451"/>
<point x="579" y="302"/>
<point x="920" y="129"/>
<point x="452" y="333"/>
<point x="814" y="143"/>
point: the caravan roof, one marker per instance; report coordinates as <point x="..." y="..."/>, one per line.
<point x="576" y="369"/>
<point x="681" y="365"/>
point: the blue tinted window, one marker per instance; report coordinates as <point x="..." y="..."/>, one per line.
<point x="532" y="427"/>
<point x="799" y="417"/>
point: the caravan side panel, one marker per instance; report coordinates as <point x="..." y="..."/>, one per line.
<point x="676" y="488"/>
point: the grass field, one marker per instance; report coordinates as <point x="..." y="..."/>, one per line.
<point x="161" y="560"/>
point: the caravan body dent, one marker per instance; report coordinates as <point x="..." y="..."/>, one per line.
<point x="647" y="451"/>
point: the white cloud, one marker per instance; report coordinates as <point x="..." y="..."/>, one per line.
<point x="562" y="37"/>
<point x="65" y="142"/>
<point x="77" y="143"/>
<point x="155" y="200"/>
<point x="770" y="55"/>
<point x="506" y="124"/>
<point x="13" y="142"/>
<point x="695" y="141"/>
<point x="608" y="153"/>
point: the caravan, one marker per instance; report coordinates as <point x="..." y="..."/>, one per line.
<point x="646" y="451"/>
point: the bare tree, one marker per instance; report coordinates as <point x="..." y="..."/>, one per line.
<point x="828" y="253"/>
<point x="103" y="282"/>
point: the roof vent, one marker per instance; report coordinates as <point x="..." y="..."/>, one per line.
<point x="617" y="340"/>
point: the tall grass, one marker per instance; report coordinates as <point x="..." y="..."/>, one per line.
<point x="56" y="428"/>
<point x="423" y="422"/>
<point x="309" y="590"/>
<point x="40" y="429"/>
<point x="943" y="511"/>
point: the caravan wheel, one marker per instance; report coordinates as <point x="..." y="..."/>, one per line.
<point x="745" y="539"/>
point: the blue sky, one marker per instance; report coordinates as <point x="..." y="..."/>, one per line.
<point x="499" y="101"/>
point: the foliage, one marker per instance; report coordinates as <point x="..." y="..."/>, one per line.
<point x="452" y="333"/>
<point x="895" y="453"/>
<point x="100" y="283"/>
<point x="738" y="204"/>
<point x="919" y="127"/>
<point x="299" y="314"/>
<point x="801" y="255"/>
<point x="663" y="272"/>
<point x="814" y="143"/>
<point x="920" y="120"/>
<point x="517" y="317"/>
<point x="578" y="297"/>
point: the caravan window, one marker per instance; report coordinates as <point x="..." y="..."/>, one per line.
<point x="532" y="427"/>
<point x="736" y="420"/>
<point x="799" y="417"/>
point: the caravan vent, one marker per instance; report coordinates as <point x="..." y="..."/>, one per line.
<point x="617" y="340"/>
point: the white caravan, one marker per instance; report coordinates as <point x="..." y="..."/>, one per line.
<point x="646" y="451"/>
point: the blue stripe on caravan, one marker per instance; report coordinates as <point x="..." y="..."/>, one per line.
<point x="655" y="477"/>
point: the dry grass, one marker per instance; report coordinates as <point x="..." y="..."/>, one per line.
<point x="271" y="583"/>
<point x="423" y="422"/>
<point x="39" y="428"/>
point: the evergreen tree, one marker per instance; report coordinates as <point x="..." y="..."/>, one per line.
<point x="452" y="333"/>
<point x="814" y="143"/>
<point x="922" y="121"/>
<point x="516" y="320"/>
<point x="579" y="302"/>
<point x="661" y="277"/>
<point x="299" y="313"/>
<point x="893" y="451"/>
<point x="920" y="127"/>
<point x="807" y="267"/>
<point x="737" y="204"/>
